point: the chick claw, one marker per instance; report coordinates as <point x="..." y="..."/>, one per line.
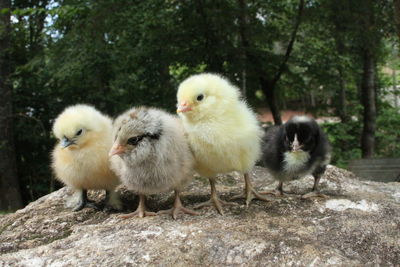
<point x="313" y="194"/>
<point x="140" y="211"/>
<point x="217" y="203"/>
<point x="249" y="195"/>
<point x="214" y="200"/>
<point x="84" y="202"/>
<point x="275" y="192"/>
<point x="175" y="211"/>
<point x="278" y="192"/>
<point x="315" y="191"/>
<point x="178" y="208"/>
<point x="249" y="192"/>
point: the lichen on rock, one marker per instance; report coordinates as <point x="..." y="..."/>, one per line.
<point x="359" y="224"/>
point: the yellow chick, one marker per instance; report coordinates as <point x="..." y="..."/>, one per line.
<point x="223" y="132"/>
<point x="80" y="158"/>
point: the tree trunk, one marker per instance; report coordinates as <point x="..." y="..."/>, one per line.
<point x="10" y="195"/>
<point x="214" y="61"/>
<point x="271" y="100"/>
<point x="245" y="43"/>
<point x="344" y="117"/>
<point x="268" y="85"/>
<point x="396" y="98"/>
<point x="368" y="102"/>
<point x="397" y="16"/>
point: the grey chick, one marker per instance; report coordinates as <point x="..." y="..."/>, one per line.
<point x="150" y="154"/>
<point x="296" y="149"/>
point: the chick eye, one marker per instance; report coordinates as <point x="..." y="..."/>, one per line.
<point x="200" y="97"/>
<point x="134" y="140"/>
<point x="79" y="132"/>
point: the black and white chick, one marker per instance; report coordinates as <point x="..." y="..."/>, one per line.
<point x="151" y="155"/>
<point x="296" y="149"/>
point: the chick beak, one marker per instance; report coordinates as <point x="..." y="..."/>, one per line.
<point x="117" y="150"/>
<point x="296" y="145"/>
<point x="184" y="107"/>
<point x="65" y="142"/>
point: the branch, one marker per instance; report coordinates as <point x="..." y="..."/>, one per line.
<point x="290" y="45"/>
<point x="397" y="16"/>
<point x="242" y="25"/>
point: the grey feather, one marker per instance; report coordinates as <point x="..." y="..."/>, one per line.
<point x="161" y="160"/>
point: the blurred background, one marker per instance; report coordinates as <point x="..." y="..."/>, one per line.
<point x="335" y="60"/>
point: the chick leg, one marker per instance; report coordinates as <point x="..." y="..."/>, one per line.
<point x="278" y="192"/>
<point x="178" y="208"/>
<point x="140" y="211"/>
<point x="84" y="202"/>
<point x="249" y="192"/>
<point x="315" y="191"/>
<point x="215" y="200"/>
<point x="112" y="201"/>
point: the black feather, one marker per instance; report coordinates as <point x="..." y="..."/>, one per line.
<point x="278" y="140"/>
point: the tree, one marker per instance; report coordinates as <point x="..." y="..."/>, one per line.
<point x="397" y="16"/>
<point x="10" y="196"/>
<point x="368" y="102"/>
<point x="117" y="53"/>
<point x="370" y="37"/>
<point x="268" y="81"/>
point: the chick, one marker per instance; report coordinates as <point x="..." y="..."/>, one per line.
<point x="223" y="132"/>
<point x="80" y="159"/>
<point x="295" y="149"/>
<point x="151" y="155"/>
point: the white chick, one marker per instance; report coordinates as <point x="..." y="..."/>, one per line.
<point x="151" y="155"/>
<point x="80" y="159"/>
<point x="223" y="132"/>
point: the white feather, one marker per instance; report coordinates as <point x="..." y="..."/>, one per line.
<point x="295" y="161"/>
<point x="298" y="119"/>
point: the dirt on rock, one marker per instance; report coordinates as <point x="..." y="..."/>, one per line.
<point x="357" y="225"/>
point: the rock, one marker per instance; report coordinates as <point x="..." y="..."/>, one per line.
<point x="359" y="224"/>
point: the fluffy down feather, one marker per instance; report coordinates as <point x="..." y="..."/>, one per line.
<point x="80" y="159"/>
<point x="153" y="154"/>
<point x="296" y="149"/>
<point x="223" y="132"/>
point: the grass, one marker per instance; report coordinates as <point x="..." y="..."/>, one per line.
<point x="3" y="212"/>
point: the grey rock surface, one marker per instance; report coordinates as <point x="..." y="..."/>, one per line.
<point x="357" y="225"/>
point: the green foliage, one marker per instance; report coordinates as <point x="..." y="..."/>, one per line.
<point x="344" y="139"/>
<point x="116" y="54"/>
<point x="387" y="136"/>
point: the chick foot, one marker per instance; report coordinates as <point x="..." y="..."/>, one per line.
<point x="112" y="202"/>
<point x="84" y="202"/>
<point x="140" y="211"/>
<point x="278" y="192"/>
<point x="313" y="194"/>
<point x="249" y="195"/>
<point x="315" y="191"/>
<point x="215" y="200"/>
<point x="249" y="192"/>
<point x="217" y="203"/>
<point x="178" y="208"/>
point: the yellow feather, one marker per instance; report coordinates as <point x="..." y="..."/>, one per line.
<point x="222" y="131"/>
<point x="86" y="164"/>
